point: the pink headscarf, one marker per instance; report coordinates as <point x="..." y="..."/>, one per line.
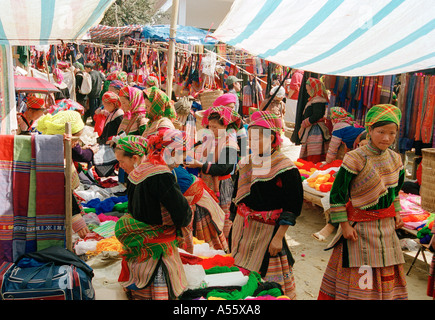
<point x="225" y="99"/>
<point x="137" y="102"/>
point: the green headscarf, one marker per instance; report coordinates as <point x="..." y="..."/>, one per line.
<point x="383" y="112"/>
<point x="133" y="144"/>
<point x="161" y="105"/>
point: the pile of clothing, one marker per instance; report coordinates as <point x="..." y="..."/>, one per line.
<point x="415" y="217"/>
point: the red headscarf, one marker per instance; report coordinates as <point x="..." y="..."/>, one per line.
<point x="35" y="103"/>
<point x="111" y="97"/>
<point x="229" y="117"/>
<point x="168" y="139"/>
<point x="316" y="88"/>
<point x="268" y="120"/>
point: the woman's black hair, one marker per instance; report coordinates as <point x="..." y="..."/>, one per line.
<point x="216" y="116"/>
<point x="381" y="123"/>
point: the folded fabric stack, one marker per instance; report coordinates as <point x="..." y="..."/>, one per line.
<point x="318" y="176"/>
<point x="212" y="275"/>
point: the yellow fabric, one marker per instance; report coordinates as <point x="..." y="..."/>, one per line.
<point x="108" y="244"/>
<point x="49" y="124"/>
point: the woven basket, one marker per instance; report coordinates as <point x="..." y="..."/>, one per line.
<point x="207" y="98"/>
<point x="427" y="189"/>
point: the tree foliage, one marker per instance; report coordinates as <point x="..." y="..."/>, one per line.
<point x="131" y="12"/>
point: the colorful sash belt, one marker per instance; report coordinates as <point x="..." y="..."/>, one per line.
<point x="267" y="217"/>
<point x="359" y="215"/>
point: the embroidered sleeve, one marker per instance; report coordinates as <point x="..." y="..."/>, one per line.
<point x="339" y="195"/>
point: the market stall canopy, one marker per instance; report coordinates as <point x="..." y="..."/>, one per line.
<point x="184" y="35"/>
<point x="39" y="22"/>
<point x="336" y="37"/>
<point x="107" y="33"/>
<point x="33" y="85"/>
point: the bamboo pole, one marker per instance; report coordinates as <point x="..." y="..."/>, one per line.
<point x="171" y="53"/>
<point x="68" y="191"/>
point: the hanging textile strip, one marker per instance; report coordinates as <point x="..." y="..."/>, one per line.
<point x="21" y="187"/>
<point x="50" y="191"/>
<point x="424" y="84"/>
<point x="428" y="116"/>
<point x="6" y="196"/>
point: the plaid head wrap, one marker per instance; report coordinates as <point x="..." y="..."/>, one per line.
<point x="111" y="97"/>
<point x="34" y="102"/>
<point x="339" y="114"/>
<point x="161" y="105"/>
<point x="383" y="112"/>
<point x="152" y="81"/>
<point x="133" y="144"/>
<point x="268" y="120"/>
<point x="121" y="75"/>
<point x="316" y="88"/>
<point x="169" y="139"/>
<point x="229" y="117"/>
<point x="136" y="101"/>
<point x="117" y="84"/>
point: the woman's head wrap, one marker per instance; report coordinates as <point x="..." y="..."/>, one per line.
<point x="280" y="94"/>
<point x="58" y="74"/>
<point x="316" y="88"/>
<point x="383" y="112"/>
<point x="133" y="144"/>
<point x="225" y="99"/>
<point x="268" y="120"/>
<point x="152" y="81"/>
<point x="339" y="114"/>
<point x="121" y="75"/>
<point x="169" y="139"/>
<point x="161" y="105"/>
<point x="183" y="106"/>
<point x="117" y="84"/>
<point x="111" y="97"/>
<point x="34" y="102"/>
<point x="136" y="101"/>
<point x="227" y="115"/>
<point x="49" y="124"/>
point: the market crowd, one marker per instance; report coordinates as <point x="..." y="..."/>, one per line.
<point x="220" y="175"/>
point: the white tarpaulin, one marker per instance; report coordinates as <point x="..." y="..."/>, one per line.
<point x="337" y="37"/>
<point x="34" y="22"/>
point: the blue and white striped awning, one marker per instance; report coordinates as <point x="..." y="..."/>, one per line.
<point x="337" y="37"/>
<point x="40" y="22"/>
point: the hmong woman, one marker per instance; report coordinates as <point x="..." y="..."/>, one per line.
<point x="151" y="266"/>
<point x="217" y="156"/>
<point x="133" y="105"/>
<point x="268" y="199"/>
<point x="112" y="106"/>
<point x="209" y="225"/>
<point x="345" y="132"/>
<point x="367" y="259"/>
<point x="160" y="111"/>
<point x="313" y="133"/>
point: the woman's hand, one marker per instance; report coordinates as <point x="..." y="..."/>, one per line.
<point x="399" y="221"/>
<point x="275" y="246"/>
<point x="348" y="231"/>
<point x="83" y="232"/>
<point x="194" y="164"/>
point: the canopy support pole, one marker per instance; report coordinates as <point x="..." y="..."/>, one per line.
<point x="171" y="53"/>
<point x="68" y="191"/>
